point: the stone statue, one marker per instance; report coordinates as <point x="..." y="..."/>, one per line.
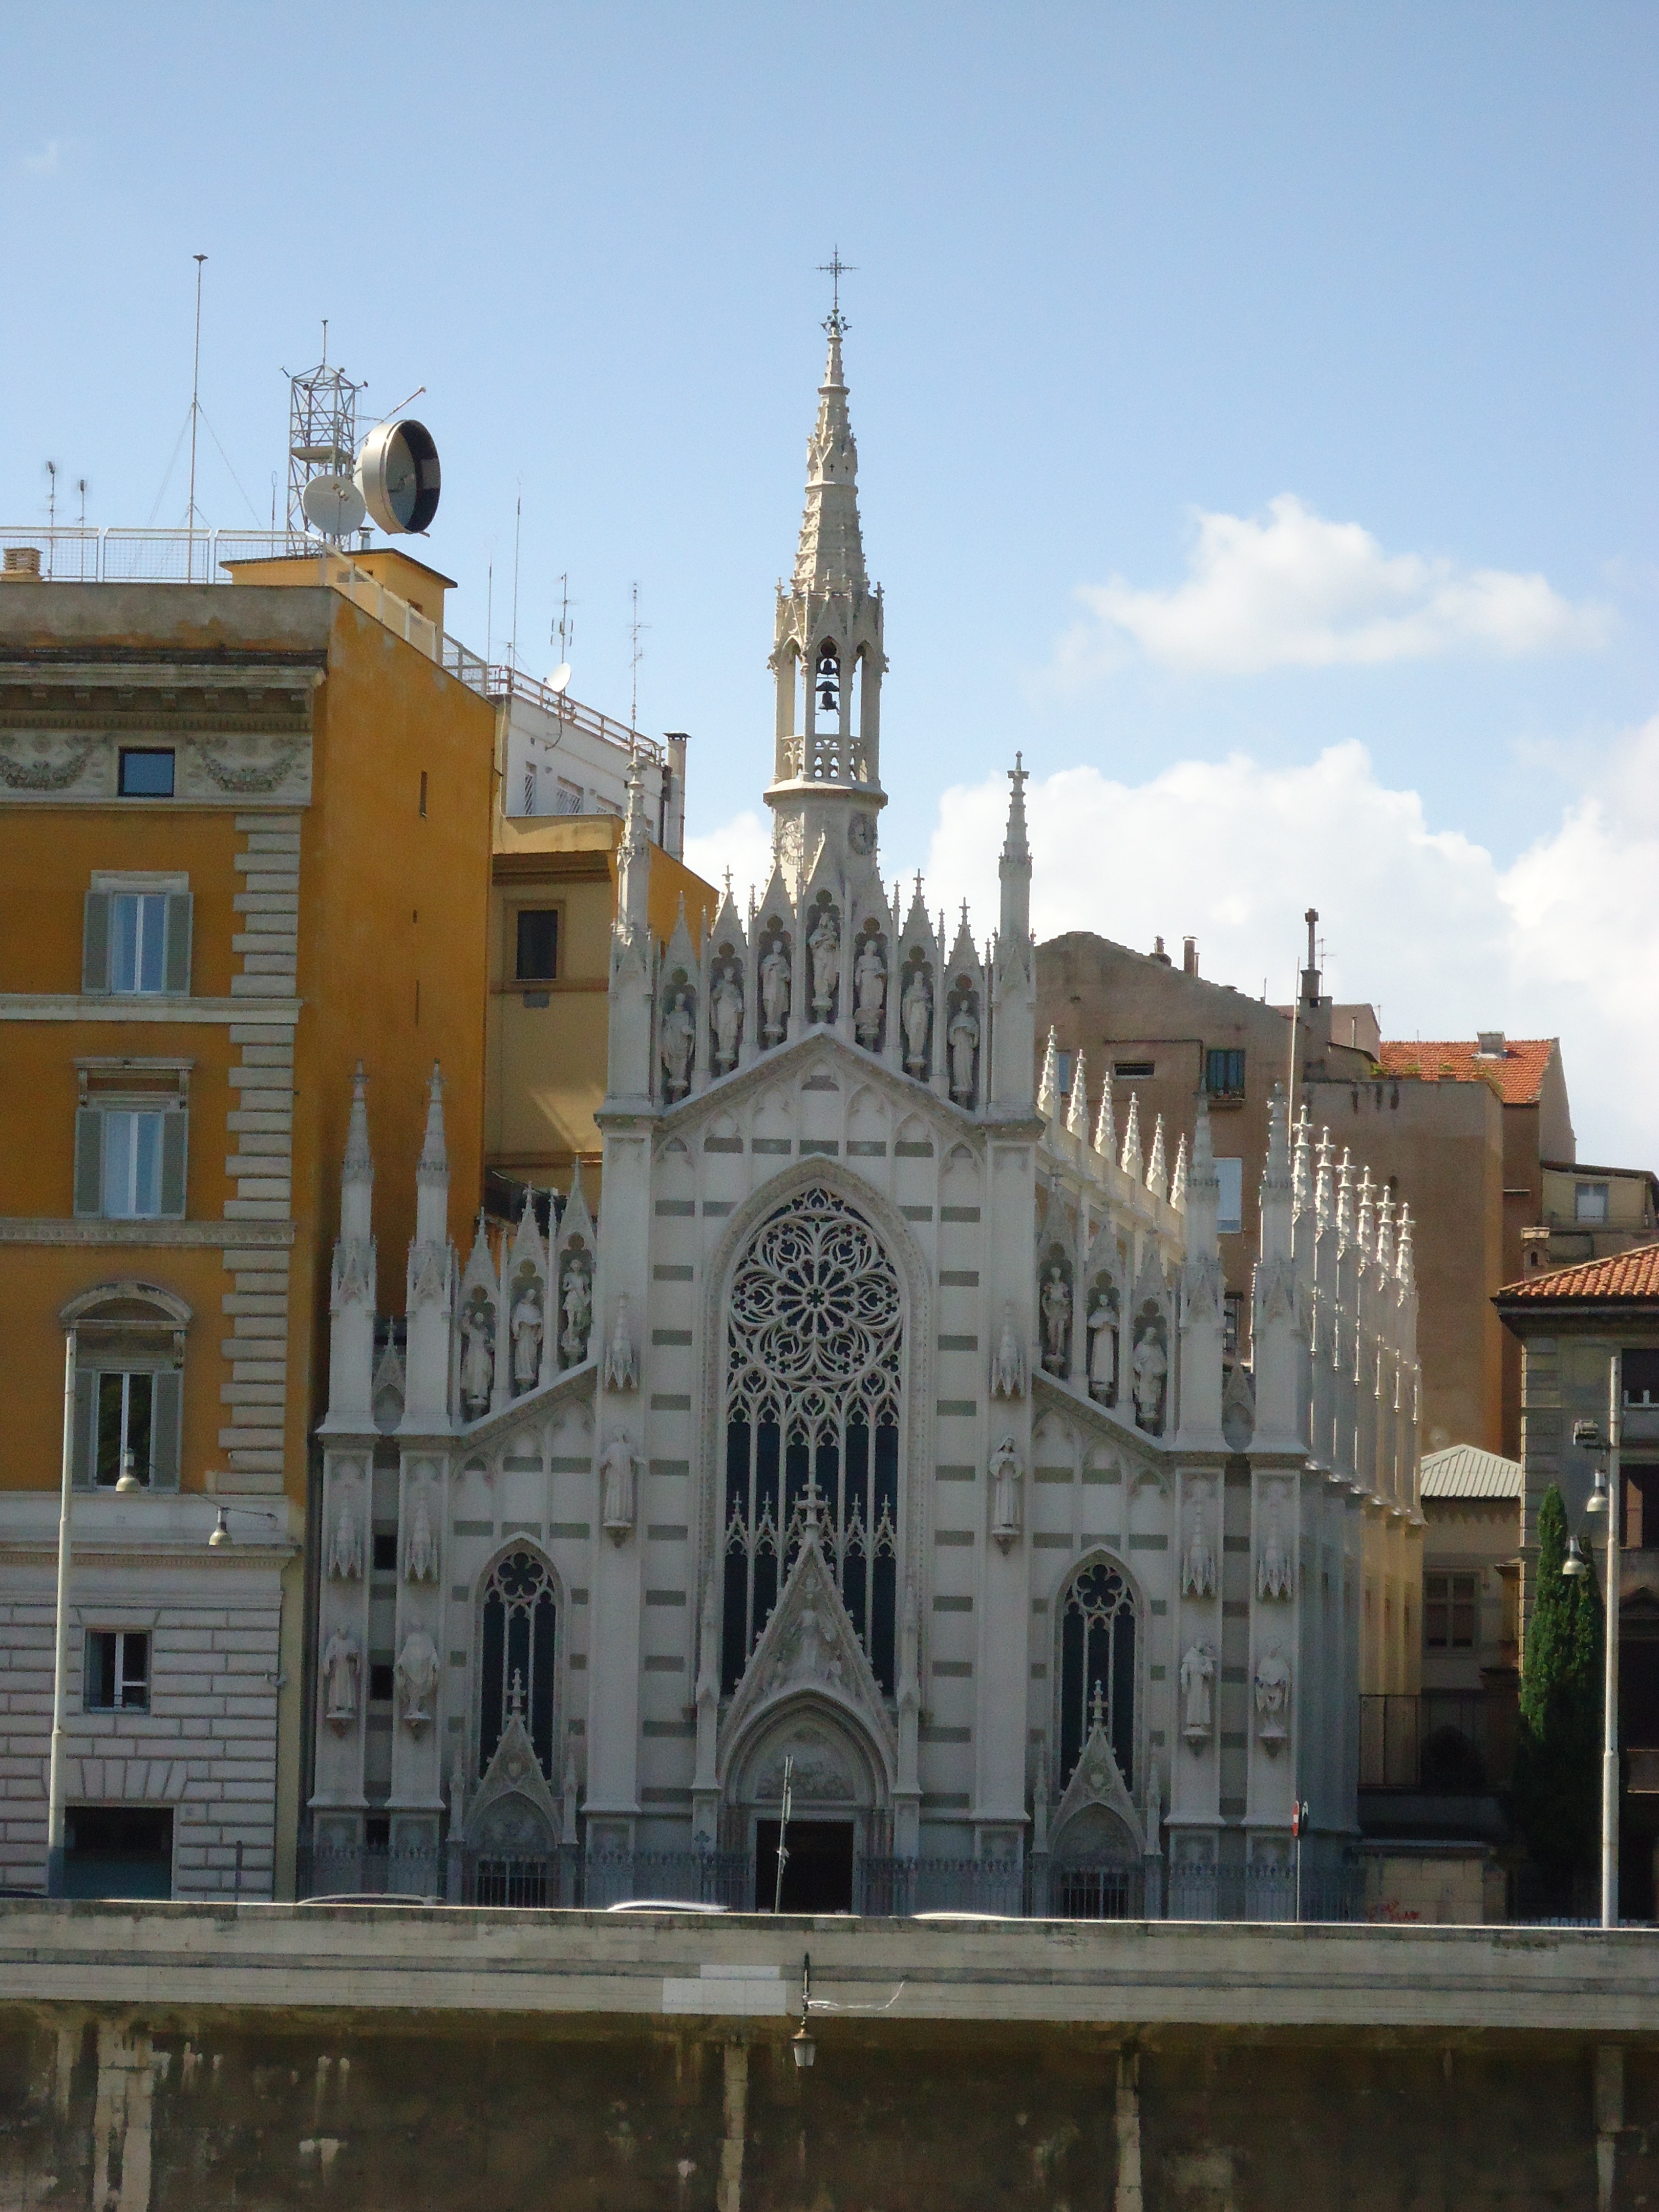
<point x="1005" y="1493"/>
<point x="477" y="1362"/>
<point x="1272" y="1697"/>
<point x="964" y="1043"/>
<point x="417" y="1678"/>
<point x="1198" y="1565"/>
<point x="420" y="1545"/>
<point x="345" y="1545"/>
<point x="916" y="1012"/>
<point x="679" y="1038"/>
<point x="1197" y="1673"/>
<point x="341" y="1663"/>
<point x="1008" y="1368"/>
<point x="1151" y="1366"/>
<point x="824" y="945"/>
<point x="1102" y="1350"/>
<point x="812" y="1655"/>
<point x="619" y="1369"/>
<point x="1057" y="1321"/>
<point x="618" y="1463"/>
<point x="526" y="1326"/>
<point x="774" y="993"/>
<point x="1274" y="1575"/>
<point x="578" y="1315"/>
<point x="728" y="1015"/>
<point x="870" y="993"/>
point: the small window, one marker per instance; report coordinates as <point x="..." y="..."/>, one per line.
<point x="422" y="795"/>
<point x="117" y="1678"/>
<point x="1590" y="1202"/>
<point x="1230" y="1175"/>
<point x="1224" y="1073"/>
<point x="380" y="1682"/>
<point x="538" y="945"/>
<point x="1449" y="1611"/>
<point x="146" y="772"/>
<point x="568" y="798"/>
<point x="385" y="1554"/>
<point x="1143" y="1068"/>
<point x="138" y="928"/>
<point x="132" y="1164"/>
<point x="1640" y="1374"/>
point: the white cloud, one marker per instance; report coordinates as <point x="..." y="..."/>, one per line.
<point x="1292" y="590"/>
<point x="46" y="163"/>
<point x="1423" y="921"/>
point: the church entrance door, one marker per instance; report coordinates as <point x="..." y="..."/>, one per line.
<point x="818" y="1875"/>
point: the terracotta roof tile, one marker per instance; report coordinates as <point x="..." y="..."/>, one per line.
<point x="1518" y="1076"/>
<point x="1627" y="1276"/>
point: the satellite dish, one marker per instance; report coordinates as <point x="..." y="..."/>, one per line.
<point x="560" y="677"/>
<point x="332" y="504"/>
<point x="398" y="476"/>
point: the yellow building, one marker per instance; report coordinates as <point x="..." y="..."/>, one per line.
<point x="245" y="842"/>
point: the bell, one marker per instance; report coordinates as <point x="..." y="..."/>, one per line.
<point x="827" y="698"/>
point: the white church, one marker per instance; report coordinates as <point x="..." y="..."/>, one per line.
<point x="877" y="1443"/>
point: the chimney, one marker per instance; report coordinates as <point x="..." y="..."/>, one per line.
<point x="1490" y="1044"/>
<point x="1189" y="956"/>
<point x="1158" y="953"/>
<point x="21" y="564"/>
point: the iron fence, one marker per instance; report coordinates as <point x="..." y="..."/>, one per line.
<point x="1265" y="1891"/>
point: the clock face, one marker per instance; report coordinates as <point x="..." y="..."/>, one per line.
<point x="861" y="833"/>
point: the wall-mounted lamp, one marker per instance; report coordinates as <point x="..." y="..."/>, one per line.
<point x="801" y="2042"/>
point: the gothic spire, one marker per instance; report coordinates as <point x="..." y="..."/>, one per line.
<point x="832" y="549"/>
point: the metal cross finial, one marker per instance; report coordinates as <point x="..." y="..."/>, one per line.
<point x="835" y="269"/>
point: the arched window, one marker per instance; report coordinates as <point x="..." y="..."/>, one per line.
<point x="516" y="1657"/>
<point x="128" y="1384"/>
<point x="814" y="1333"/>
<point x="1097" y="1666"/>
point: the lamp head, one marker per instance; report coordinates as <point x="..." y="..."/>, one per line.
<point x="802" y="2044"/>
<point x="1575" y="1564"/>
<point x="128" y="1480"/>
<point x="221" y="1535"/>
<point x="1600" y="1496"/>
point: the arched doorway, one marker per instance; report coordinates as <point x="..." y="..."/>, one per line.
<point x="838" y="1798"/>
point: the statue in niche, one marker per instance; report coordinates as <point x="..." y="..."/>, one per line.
<point x="1008" y="1368"/>
<point x="1005" y="1493"/>
<point x="1273" y="1571"/>
<point x="526" y="1326"/>
<point x="824" y="947"/>
<point x="1197" y="1709"/>
<point x="345" y="1545"/>
<point x="679" y="1038"/>
<point x="963" y="1039"/>
<point x="1151" y="1368"/>
<point x="812" y="1655"/>
<point x="619" y="1368"/>
<point x="477" y="1362"/>
<point x="1056" y="1322"/>
<point x="420" y="1545"/>
<point x="418" y="1679"/>
<point x="617" y="1464"/>
<point x="870" y="993"/>
<point x="774" y="993"/>
<point x="1103" y="1349"/>
<point x="727" y="1009"/>
<point x="577" y="1315"/>
<point x="1272" y="1697"/>
<point x="342" y="1662"/>
<point x="1198" y="1565"/>
<point x="916" y="1012"/>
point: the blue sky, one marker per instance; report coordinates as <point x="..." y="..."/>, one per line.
<point x="1117" y="269"/>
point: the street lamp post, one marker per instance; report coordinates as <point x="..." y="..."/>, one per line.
<point x="60" y="1625"/>
<point x="1605" y="1499"/>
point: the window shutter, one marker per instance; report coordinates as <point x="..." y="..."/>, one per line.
<point x="176" y="962"/>
<point x="86" y="1419"/>
<point x="88" y="1160"/>
<point x="174" y="1130"/>
<point x="166" y="1421"/>
<point x="95" y="942"/>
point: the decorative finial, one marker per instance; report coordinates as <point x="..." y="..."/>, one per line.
<point x="1098" y="1707"/>
<point x="835" y="269"/>
<point x="516" y="1702"/>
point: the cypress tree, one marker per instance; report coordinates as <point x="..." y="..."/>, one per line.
<point x="1557" y="1794"/>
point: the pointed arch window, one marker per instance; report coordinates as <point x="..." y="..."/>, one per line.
<point x="1097" y="1666"/>
<point x="813" y="1391"/>
<point x="516" y="1655"/>
<point x="826" y="677"/>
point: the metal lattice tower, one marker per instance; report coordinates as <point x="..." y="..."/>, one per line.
<point x="322" y="432"/>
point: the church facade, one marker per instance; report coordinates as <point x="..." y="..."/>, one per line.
<point x="881" y="1433"/>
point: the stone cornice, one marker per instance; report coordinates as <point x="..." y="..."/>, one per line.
<point x="72" y="1006"/>
<point x="231" y="1236"/>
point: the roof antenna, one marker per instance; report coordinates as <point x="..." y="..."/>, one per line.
<point x="195" y="411"/>
<point x="635" y="655"/>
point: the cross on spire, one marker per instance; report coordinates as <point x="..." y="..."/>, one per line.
<point x="835" y="269"/>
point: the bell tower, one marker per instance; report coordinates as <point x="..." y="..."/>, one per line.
<point x="827" y="659"/>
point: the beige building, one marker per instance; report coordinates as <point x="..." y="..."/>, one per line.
<point x="1590" y="1213"/>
